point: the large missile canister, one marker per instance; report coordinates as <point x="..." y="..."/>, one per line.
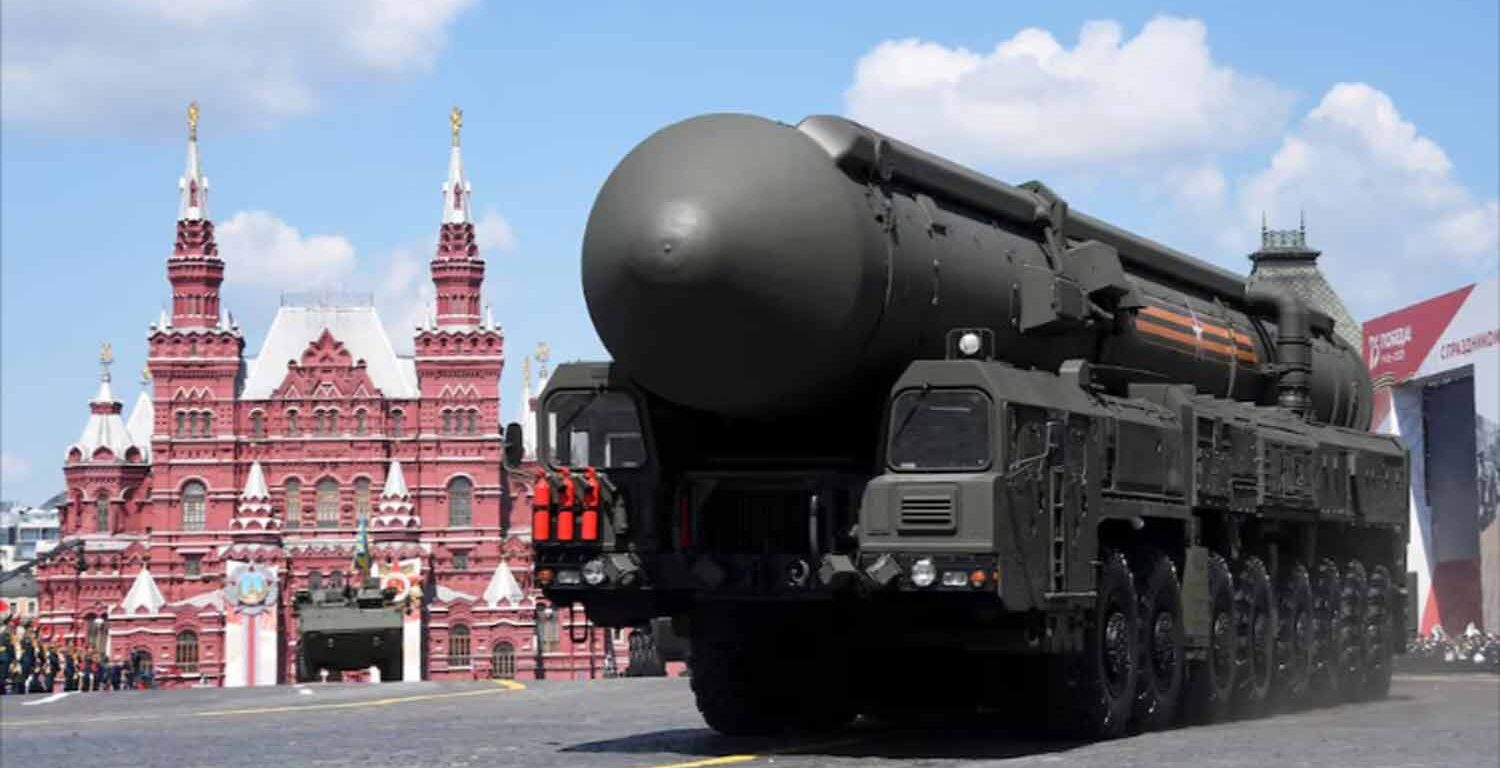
<point x="749" y="268"/>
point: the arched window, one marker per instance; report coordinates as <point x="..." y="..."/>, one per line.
<point x="98" y="633"/>
<point x="101" y="513"/>
<point x="447" y="422"/>
<point x="473" y="422"/>
<point x="398" y="424"/>
<point x="181" y="424"/>
<point x="192" y="430"/>
<point x="503" y="661"/>
<point x="333" y="422"/>
<point x="328" y="503"/>
<point x="291" y="422"/>
<point x="257" y="424"/>
<point x="318" y="422"/>
<point x="194" y="502"/>
<point x="359" y="422"/>
<point x="293" y="503"/>
<point x="458" y="646"/>
<point x="460" y="501"/>
<point x="362" y="496"/>
<point x="187" y="652"/>
<point x="206" y="427"/>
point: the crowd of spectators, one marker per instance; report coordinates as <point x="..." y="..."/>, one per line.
<point x="29" y="664"/>
<point x="1472" y="649"/>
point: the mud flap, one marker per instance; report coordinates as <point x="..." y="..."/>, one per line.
<point x="1197" y="605"/>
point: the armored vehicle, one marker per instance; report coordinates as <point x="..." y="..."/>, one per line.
<point x="343" y="628"/>
<point x="884" y="434"/>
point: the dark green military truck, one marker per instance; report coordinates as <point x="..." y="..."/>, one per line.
<point x="885" y="434"/>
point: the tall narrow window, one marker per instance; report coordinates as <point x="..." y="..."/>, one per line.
<point x="473" y="422"/>
<point x="293" y="503"/>
<point x="192" y="430"/>
<point x="447" y="422"/>
<point x="257" y="424"/>
<point x="359" y="422"/>
<point x="328" y="503"/>
<point x="458" y="646"/>
<point x="194" y="503"/>
<point x="101" y="513"/>
<point x="333" y="422"/>
<point x="362" y="497"/>
<point x="207" y="425"/>
<point x="187" y="652"/>
<point x="291" y="422"/>
<point x="397" y="423"/>
<point x="460" y="502"/>
<point x="181" y="424"/>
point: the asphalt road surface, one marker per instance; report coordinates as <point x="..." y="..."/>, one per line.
<point x="1451" y="721"/>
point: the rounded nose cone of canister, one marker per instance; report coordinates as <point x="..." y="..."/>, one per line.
<point x="726" y="268"/>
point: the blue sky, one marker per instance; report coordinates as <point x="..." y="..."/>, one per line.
<point x="324" y="135"/>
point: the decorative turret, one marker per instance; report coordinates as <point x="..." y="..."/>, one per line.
<point x="195" y="269"/>
<point x="254" y="513"/>
<point x="395" y="510"/>
<point x="142" y="416"/>
<point x="457" y="270"/>
<point x="527" y="417"/>
<point x="106" y="438"/>
<point x="1285" y="261"/>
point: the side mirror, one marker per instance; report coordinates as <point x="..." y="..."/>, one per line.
<point x="515" y="445"/>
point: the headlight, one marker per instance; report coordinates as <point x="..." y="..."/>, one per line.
<point x="955" y="579"/>
<point x="593" y="572"/>
<point x="567" y="578"/>
<point x="923" y="572"/>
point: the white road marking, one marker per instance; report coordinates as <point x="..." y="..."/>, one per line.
<point x="304" y="690"/>
<point x="47" y="700"/>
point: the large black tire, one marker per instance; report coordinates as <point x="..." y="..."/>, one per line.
<point x="737" y="689"/>
<point x="1255" y="631"/>
<point x="1379" y="634"/>
<point x="1328" y="590"/>
<point x="1210" y="682"/>
<point x="1162" y="646"/>
<point x="1295" y="628"/>
<point x="1096" y="688"/>
<point x="1351" y="632"/>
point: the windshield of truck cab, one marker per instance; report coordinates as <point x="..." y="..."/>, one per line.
<point x="940" y="429"/>
<point x="594" y="429"/>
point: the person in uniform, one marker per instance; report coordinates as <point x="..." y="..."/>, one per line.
<point x="69" y="670"/>
<point x="28" y="665"/>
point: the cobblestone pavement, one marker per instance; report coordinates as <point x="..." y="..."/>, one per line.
<point x="1429" y="720"/>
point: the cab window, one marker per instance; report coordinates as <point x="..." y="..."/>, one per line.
<point x="594" y="429"/>
<point x="940" y="429"/>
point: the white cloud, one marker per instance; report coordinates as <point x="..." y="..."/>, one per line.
<point x="493" y="233"/>
<point x="1382" y="202"/>
<point x="263" y="251"/>
<point x="1031" y="101"/>
<point x="84" y="65"/>
<point x="13" y="468"/>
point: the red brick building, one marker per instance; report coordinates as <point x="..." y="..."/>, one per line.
<point x="239" y="478"/>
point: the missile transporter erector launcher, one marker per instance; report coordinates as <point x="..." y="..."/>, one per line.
<point x="873" y="415"/>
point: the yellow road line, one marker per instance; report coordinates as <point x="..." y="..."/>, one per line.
<point x="503" y="685"/>
<point x="709" y="762"/>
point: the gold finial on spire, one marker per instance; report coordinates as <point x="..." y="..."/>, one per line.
<point x="106" y="353"/>
<point x="543" y="352"/>
<point x="193" y="121"/>
<point x="456" y="118"/>
<point x="145" y="374"/>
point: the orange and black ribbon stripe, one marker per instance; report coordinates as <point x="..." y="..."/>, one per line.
<point x="1177" y="329"/>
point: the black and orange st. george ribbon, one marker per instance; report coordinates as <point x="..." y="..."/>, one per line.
<point x="1191" y="333"/>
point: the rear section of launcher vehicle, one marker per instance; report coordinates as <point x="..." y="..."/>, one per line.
<point x="884" y="434"/>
